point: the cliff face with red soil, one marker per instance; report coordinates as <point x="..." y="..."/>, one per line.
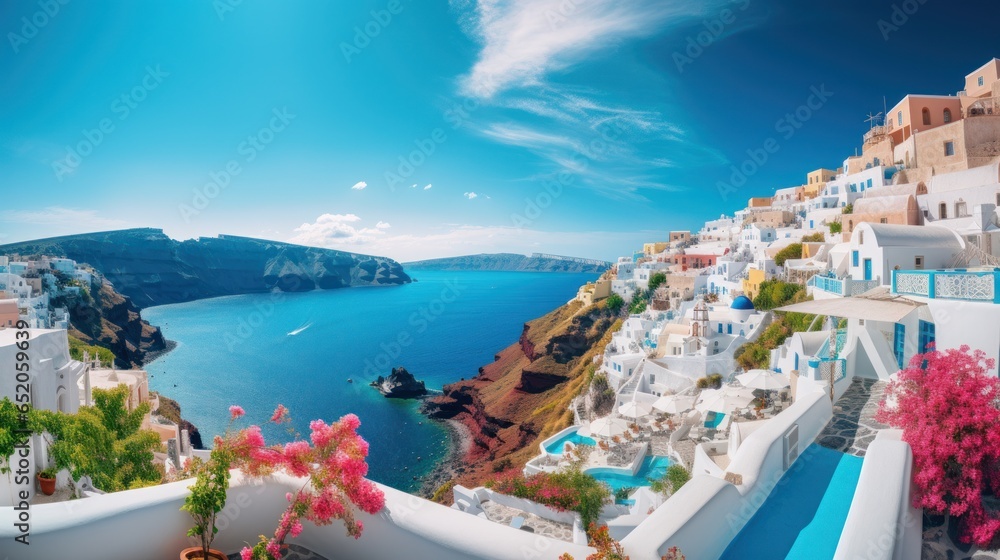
<point x="526" y="392"/>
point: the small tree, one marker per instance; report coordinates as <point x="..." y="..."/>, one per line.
<point x="614" y="303"/>
<point x="817" y="237"/>
<point x="835" y="227"/>
<point x="946" y="405"/>
<point x="793" y="251"/>
<point x="656" y="280"/>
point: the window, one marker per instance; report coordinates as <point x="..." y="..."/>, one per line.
<point x="861" y="238"/>
<point x="961" y="209"/>
<point x="943" y="211"/>
<point x="927" y="116"/>
<point x="947" y="116"/>
<point x="729" y="328"/>
<point x="981" y="81"/>
<point x="899" y="118"/>
<point x="854" y="258"/>
<point x="652" y="379"/>
<point x="926" y="336"/>
<point x="918" y="262"/>
<point x="870" y="181"/>
<point x="949" y="148"/>
<point x="883" y="220"/>
<point x="899" y="343"/>
<point x="720" y="328"/>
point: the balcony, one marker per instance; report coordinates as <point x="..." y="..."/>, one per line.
<point x="982" y="285"/>
<point x="843" y="288"/>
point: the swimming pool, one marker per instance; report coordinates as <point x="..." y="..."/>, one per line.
<point x="804" y="515"/>
<point x="556" y="447"/>
<point x="715" y="420"/>
<point x="652" y="468"/>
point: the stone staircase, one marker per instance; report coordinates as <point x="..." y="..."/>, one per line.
<point x="853" y="426"/>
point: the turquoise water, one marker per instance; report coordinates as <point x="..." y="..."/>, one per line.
<point x="556" y="447"/>
<point x="715" y="421"/>
<point x="804" y="515"/>
<point x="652" y="468"/>
<point x="300" y="349"/>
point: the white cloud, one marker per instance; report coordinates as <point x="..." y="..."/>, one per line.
<point x="360" y="186"/>
<point x="413" y="186"/>
<point x="567" y="123"/>
<point x="428" y="187"/>
<point x="470" y="195"/>
<point x="336" y="229"/>
<point x="382" y="225"/>
<point x="523" y="40"/>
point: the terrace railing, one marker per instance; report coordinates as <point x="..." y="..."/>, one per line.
<point x="958" y="284"/>
<point x="845" y="288"/>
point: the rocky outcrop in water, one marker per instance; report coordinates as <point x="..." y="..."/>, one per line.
<point x="400" y="385"/>
<point x="151" y="269"/>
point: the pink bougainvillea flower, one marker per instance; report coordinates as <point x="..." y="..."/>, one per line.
<point x="236" y="411"/>
<point x="280" y="414"/>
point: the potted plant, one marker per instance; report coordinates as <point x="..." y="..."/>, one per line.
<point x="207" y="498"/>
<point x="47" y="481"/>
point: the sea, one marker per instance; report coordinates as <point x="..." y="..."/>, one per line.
<point x="316" y="352"/>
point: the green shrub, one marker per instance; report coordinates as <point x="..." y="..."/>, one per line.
<point x="835" y="227"/>
<point x="793" y="251"/>
<point x="614" y="303"/>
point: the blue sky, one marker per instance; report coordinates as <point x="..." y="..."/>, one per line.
<point x="418" y="130"/>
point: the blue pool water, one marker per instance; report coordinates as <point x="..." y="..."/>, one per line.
<point x="715" y="421"/>
<point x="652" y="468"/>
<point x="556" y="447"/>
<point x="804" y="515"/>
<point x="300" y="349"/>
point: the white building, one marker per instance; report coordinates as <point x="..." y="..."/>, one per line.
<point x="878" y="249"/>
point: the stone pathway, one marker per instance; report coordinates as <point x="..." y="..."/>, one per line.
<point x="295" y="552"/>
<point x="501" y="514"/>
<point x="853" y="426"/>
<point x="941" y="542"/>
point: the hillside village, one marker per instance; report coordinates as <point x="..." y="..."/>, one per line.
<point x="752" y="351"/>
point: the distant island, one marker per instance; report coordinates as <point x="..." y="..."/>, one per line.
<point x="512" y="262"/>
<point x="151" y="269"/>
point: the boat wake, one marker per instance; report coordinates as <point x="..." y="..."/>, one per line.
<point x="300" y="329"/>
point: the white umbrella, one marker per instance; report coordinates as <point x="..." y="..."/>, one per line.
<point x="724" y="400"/>
<point x="674" y="404"/>
<point x="633" y="409"/>
<point x="763" y="379"/>
<point x="608" y="427"/>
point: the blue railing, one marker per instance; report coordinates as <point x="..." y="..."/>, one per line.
<point x="956" y="284"/>
<point x="845" y="287"/>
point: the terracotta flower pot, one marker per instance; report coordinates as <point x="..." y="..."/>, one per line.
<point x="195" y="553"/>
<point x="48" y="485"/>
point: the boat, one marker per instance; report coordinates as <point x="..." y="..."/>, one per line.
<point x="349" y="380"/>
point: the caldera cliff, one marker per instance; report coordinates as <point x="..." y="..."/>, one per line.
<point x="152" y="269"/>
<point x="525" y="394"/>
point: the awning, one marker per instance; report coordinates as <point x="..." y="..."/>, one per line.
<point x="890" y="311"/>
